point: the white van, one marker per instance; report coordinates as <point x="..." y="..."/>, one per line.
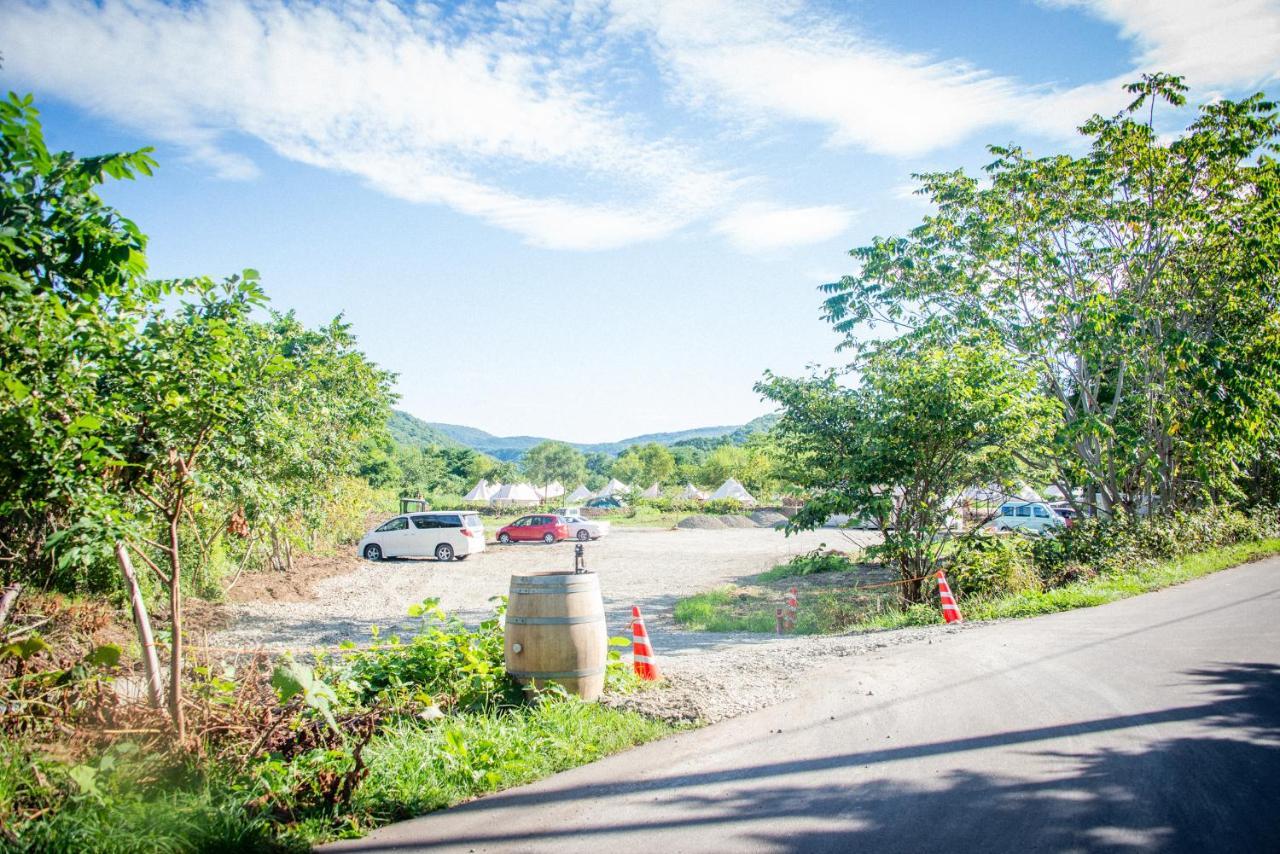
<point x="1032" y="516"/>
<point x="444" y="534"/>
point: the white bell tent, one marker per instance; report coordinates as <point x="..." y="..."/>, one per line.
<point x="731" y="489"/>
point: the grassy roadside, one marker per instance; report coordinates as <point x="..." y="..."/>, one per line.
<point x="732" y="609"/>
<point x="145" y="804"/>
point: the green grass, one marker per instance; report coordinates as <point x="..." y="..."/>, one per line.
<point x="725" y="609"/>
<point x="415" y="767"/>
<point x="812" y="564"/>
<point x="730" y="609"/>
<point x="1143" y="578"/>
<point x="414" y="770"/>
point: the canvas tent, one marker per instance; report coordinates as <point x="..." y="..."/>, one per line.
<point x="613" y="487"/>
<point x="579" y="494"/>
<point x="552" y="490"/>
<point x="692" y="493"/>
<point x="515" y="494"/>
<point x="480" y="494"/>
<point x="652" y="492"/>
<point x="732" y="489"/>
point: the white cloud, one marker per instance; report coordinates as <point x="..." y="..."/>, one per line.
<point x="1221" y="43"/>
<point x="416" y="103"/>
<point x="781" y="61"/>
<point x="758" y="228"/>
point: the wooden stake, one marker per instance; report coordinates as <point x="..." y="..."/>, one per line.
<point x="150" y="661"/>
<point x="6" y="601"/>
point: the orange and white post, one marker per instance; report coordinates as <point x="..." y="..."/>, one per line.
<point x="950" y="610"/>
<point x="793" y="609"/>
<point x="642" y="657"/>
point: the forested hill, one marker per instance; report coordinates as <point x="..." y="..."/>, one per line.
<point x="410" y="430"/>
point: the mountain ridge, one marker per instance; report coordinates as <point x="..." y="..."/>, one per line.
<point x="409" y="429"/>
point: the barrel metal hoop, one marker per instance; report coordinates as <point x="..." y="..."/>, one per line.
<point x="580" y="588"/>
<point x="560" y="674"/>
<point x="554" y="621"/>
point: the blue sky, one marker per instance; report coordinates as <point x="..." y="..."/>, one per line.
<point x="583" y="218"/>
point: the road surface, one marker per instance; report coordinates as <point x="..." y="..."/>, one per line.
<point x="1151" y="724"/>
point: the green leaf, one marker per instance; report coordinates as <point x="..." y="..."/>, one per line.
<point x="107" y="655"/>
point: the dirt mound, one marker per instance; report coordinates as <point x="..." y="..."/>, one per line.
<point x="701" y="523"/>
<point x="296" y="585"/>
<point x="768" y="518"/>
<point x="736" y="521"/>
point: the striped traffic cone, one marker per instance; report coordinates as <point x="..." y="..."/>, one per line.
<point x="950" y="610"/>
<point x="642" y="657"/>
<point x="793" y="608"/>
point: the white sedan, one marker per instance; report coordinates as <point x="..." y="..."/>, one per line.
<point x="585" y="529"/>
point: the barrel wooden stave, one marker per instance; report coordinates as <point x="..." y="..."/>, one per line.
<point x="555" y="632"/>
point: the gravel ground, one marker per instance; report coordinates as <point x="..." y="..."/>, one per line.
<point x="709" y="676"/>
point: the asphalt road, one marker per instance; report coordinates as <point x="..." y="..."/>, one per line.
<point x="1151" y="724"/>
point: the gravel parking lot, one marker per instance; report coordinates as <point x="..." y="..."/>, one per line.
<point x="646" y="567"/>
<point x="709" y="676"/>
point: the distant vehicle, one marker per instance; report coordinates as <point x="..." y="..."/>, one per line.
<point x="1067" y="512"/>
<point x="1030" y="516"/>
<point x="443" y="534"/>
<point x="608" y="502"/>
<point x="549" y="529"/>
<point x="585" y="529"/>
<point x="568" y="511"/>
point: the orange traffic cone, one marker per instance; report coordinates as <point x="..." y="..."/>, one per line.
<point x="950" y="610"/>
<point x="793" y="608"/>
<point x="642" y="657"/>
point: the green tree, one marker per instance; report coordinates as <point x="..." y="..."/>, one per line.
<point x="549" y="462"/>
<point x="73" y="295"/>
<point x="925" y="423"/>
<point x="1136" y="282"/>
<point x="644" y="465"/>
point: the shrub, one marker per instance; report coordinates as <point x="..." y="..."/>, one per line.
<point x="812" y="563"/>
<point x="1096" y="545"/>
<point x="985" y="565"/>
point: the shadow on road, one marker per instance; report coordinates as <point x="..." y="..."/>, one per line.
<point x="1216" y="791"/>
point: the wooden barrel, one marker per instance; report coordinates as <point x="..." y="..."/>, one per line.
<point x="556" y="632"/>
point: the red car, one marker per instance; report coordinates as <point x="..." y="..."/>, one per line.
<point x="549" y="529"/>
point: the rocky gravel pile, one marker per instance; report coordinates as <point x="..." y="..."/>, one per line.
<point x="701" y="522"/>
<point x="768" y="518"/>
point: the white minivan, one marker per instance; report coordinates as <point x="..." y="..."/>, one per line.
<point x="1032" y="516"/>
<point x="444" y="534"/>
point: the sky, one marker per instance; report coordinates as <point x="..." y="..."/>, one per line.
<point x="585" y="219"/>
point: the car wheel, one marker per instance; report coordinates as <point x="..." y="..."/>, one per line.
<point x="444" y="552"/>
<point x="373" y="552"/>
<point x="548" y="538"/>
<point x="583" y="535"/>
<point x="504" y="538"/>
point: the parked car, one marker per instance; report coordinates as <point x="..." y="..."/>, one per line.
<point x="1030" y="516"/>
<point x="549" y="529"/>
<point x="1067" y="512"/>
<point x="568" y="511"/>
<point x="444" y="534"/>
<point x="608" y="502"/>
<point x="583" y="529"/>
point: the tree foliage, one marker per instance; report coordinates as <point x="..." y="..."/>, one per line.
<point x="924" y="423"/>
<point x="1138" y="283"/>
<point x="554" y="462"/>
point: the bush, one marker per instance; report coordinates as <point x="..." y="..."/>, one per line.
<point x="983" y="566"/>
<point x="812" y="563"/>
<point x="1101" y="546"/>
